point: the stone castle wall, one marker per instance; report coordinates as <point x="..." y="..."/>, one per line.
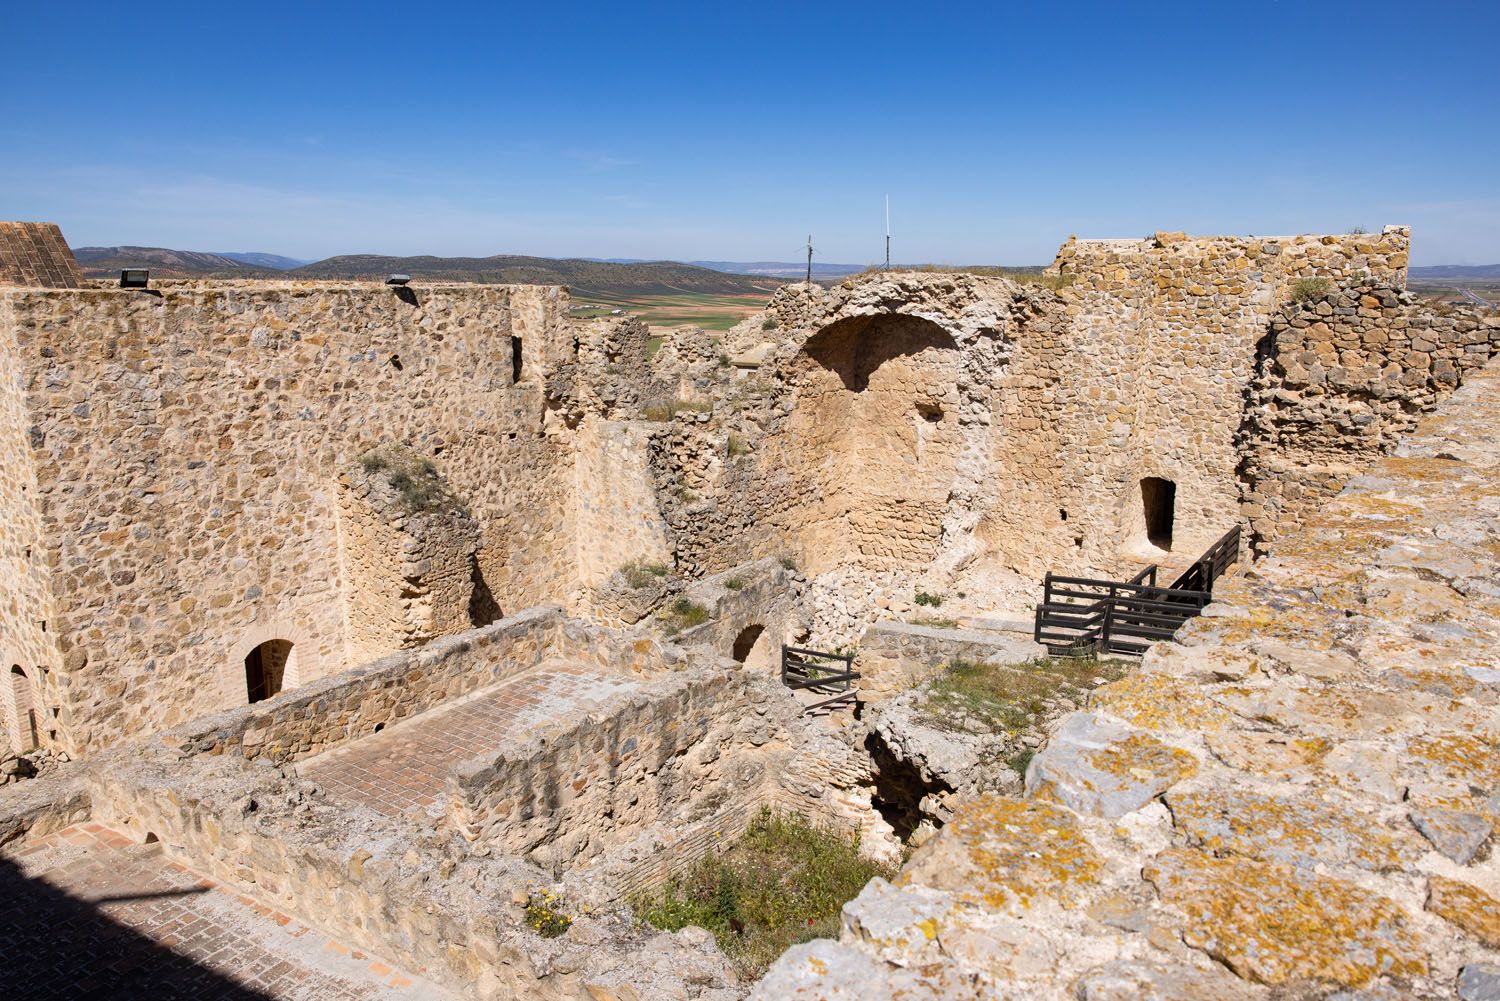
<point x="187" y="445"/>
<point x="28" y="624"/>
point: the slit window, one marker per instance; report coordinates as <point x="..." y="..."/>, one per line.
<point x="515" y="360"/>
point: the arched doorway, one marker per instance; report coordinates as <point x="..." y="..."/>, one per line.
<point x="745" y="641"/>
<point x="265" y="669"/>
<point x="23" y="725"/>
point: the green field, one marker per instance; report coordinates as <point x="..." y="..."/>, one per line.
<point x="696" y="309"/>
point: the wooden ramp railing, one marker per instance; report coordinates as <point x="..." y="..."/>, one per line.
<point x="1086" y="615"/>
<point x="820" y="674"/>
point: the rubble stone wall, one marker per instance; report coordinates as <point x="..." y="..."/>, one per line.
<point x="186" y="446"/>
<point x="1341" y="377"/>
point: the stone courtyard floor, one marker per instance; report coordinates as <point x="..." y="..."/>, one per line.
<point x="86" y="913"/>
<point x="405" y="767"/>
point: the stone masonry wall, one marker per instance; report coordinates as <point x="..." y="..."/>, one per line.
<point x="1294" y="798"/>
<point x="28" y="625"/>
<point x="338" y="708"/>
<point x="683" y="745"/>
<point x="208" y="523"/>
<point x="1341" y="377"/>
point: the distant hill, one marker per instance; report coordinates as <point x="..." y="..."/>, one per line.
<point x="582" y="276"/>
<point x="783" y="269"/>
<point x="257" y="260"/>
<point x="104" y="262"/>
<point x="1456" y="272"/>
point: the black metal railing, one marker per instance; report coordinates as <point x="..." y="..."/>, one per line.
<point x="821" y="673"/>
<point x="1087" y="615"/>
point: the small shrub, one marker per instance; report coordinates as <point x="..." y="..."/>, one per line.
<point x="769" y="323"/>
<point x="724" y="360"/>
<point x="935" y="623"/>
<point x="416" y="480"/>
<point x="642" y="575"/>
<point x="1358" y="231"/>
<point x="1304" y="289"/>
<point x="929" y="600"/>
<point x="543" y="915"/>
<point x="787" y="563"/>
<point x="685" y="613"/>
<point x="735" y="584"/>
<point x="784" y="882"/>
<point x="735" y="446"/>
<point x="372" y="462"/>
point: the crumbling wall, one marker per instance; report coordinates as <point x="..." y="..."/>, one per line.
<point x="619" y="517"/>
<point x="1341" y="377"/>
<point x="408" y="556"/>
<point x="683" y="745"/>
<point x="1294" y="798"/>
<point x="186" y="446"/>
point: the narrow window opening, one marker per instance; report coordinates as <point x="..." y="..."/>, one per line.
<point x="930" y="412"/>
<point x="396" y="362"/>
<point x="1159" y="506"/>
<point x="265" y="669"/>
<point x="1062" y="513"/>
<point x="515" y="360"/>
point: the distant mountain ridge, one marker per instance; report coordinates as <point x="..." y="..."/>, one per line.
<point x="582" y="276"/>
<point x="106" y="261"/>
<point x="1458" y="272"/>
<point x="259" y="260"/>
<point x="782" y="269"/>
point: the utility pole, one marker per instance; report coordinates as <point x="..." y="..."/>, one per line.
<point x="809" y="260"/>
<point x="888" y="232"/>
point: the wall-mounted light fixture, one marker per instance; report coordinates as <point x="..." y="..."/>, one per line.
<point x="134" y="277"/>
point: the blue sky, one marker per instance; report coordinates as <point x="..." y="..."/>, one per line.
<point x="718" y="131"/>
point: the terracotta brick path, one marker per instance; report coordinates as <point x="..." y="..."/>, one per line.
<point x="406" y="767"/>
<point x="88" y="914"/>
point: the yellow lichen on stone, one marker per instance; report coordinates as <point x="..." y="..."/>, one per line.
<point x="1276" y="923"/>
<point x="1161" y="702"/>
<point x="1461" y="756"/>
<point x="1297" y="830"/>
<point x="1000" y="852"/>
<point x="1467" y="906"/>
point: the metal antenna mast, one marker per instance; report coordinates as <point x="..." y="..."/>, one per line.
<point x="888" y="232"/>
<point x="809" y="259"/>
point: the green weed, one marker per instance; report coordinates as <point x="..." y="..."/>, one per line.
<point x="785" y="881"/>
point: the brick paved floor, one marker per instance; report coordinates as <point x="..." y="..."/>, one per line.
<point x="405" y="767"/>
<point x="86" y="914"/>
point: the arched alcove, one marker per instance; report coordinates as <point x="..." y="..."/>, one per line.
<point x="875" y="440"/>
<point x="266" y="669"/>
